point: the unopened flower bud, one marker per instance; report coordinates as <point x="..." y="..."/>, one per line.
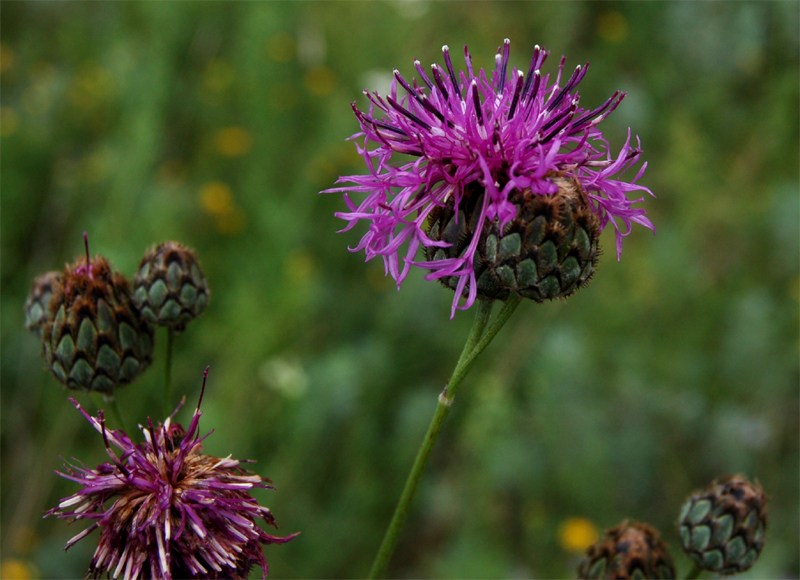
<point x="95" y="338"/>
<point x="170" y="288"/>
<point x="722" y="527"/>
<point x="38" y="301"/>
<point x="630" y="550"/>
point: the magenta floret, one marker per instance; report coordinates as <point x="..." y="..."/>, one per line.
<point x="165" y="510"/>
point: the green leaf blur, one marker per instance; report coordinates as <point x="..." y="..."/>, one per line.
<point x="216" y="124"/>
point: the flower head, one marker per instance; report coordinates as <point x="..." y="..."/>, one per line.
<point x="629" y="550"/>
<point x="94" y="337"/>
<point x="37" y="304"/>
<point x="486" y="148"/>
<point x="165" y="510"/>
<point x="169" y="288"/>
<point x="723" y="527"/>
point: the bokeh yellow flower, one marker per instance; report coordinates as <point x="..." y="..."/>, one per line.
<point x="281" y="47"/>
<point x="14" y="569"/>
<point x="612" y="27"/>
<point x="577" y="534"/>
<point x="233" y="141"/>
<point x="320" y="81"/>
<point x="216" y="198"/>
<point x="9" y="121"/>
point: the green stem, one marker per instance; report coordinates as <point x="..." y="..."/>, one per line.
<point x="168" y="375"/>
<point x="478" y="326"/>
<point x="476" y="343"/>
<point x="694" y="572"/>
<point x="465" y="363"/>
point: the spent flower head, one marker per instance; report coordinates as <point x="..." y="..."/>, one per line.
<point x="166" y="510"/>
<point x="493" y="151"/>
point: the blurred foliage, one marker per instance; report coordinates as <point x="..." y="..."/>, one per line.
<point x="216" y="124"/>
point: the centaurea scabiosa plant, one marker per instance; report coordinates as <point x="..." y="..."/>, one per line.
<point x="492" y="158"/>
<point x="509" y="186"/>
<point x="165" y="510"/>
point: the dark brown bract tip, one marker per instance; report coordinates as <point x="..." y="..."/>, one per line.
<point x="631" y="550"/>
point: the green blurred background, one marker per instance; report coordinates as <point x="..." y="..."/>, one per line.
<point x="216" y="124"/>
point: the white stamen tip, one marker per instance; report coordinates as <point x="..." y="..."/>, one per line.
<point x="474" y="83"/>
<point x="445" y="48"/>
<point x="70" y="501"/>
<point x="416" y="61"/>
<point x="537" y="72"/>
<point x="520" y="74"/>
<point x="506" y="41"/>
<point x="578" y="67"/>
<point x="497" y="57"/>
<point x="537" y="47"/>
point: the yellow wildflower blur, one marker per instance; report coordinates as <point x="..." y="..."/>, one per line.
<point x="216" y="198"/>
<point x="281" y="47"/>
<point x="18" y="570"/>
<point x="577" y="534"/>
<point x="233" y="141"/>
<point x="320" y="81"/>
<point x="92" y="87"/>
<point x="612" y="27"/>
<point x="299" y="265"/>
<point x="218" y="77"/>
<point x="9" y="121"/>
<point x="6" y="58"/>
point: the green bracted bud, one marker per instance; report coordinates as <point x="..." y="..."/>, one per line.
<point x="169" y="287"/>
<point x="548" y="251"/>
<point x="722" y="527"/>
<point x="38" y="301"/>
<point x="630" y="550"/>
<point x="94" y="337"/>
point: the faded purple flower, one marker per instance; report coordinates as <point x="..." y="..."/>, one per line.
<point x="470" y="136"/>
<point x="167" y="511"/>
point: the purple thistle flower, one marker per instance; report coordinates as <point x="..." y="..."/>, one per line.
<point x="498" y="140"/>
<point x="165" y="510"/>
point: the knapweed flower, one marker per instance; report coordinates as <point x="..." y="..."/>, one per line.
<point x="167" y="511"/>
<point x="511" y="184"/>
